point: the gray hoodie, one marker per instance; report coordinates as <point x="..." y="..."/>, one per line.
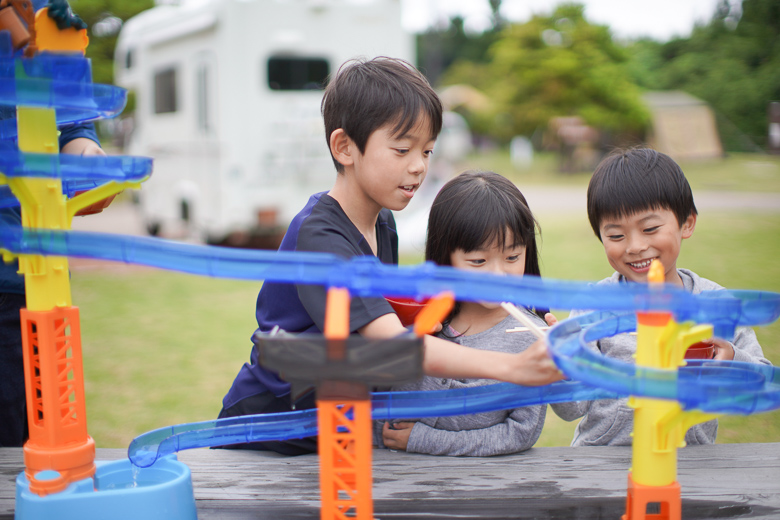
<point x="482" y="434"/>
<point x="609" y="422"/>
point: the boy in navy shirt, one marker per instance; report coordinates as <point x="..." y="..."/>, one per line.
<point x="382" y="119"/>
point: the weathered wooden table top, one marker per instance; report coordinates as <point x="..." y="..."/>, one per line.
<point x="718" y="481"/>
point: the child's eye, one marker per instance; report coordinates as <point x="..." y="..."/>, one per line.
<point x="513" y="258"/>
<point x="402" y="151"/>
<point x="615" y="237"/>
<point x="477" y="262"/>
<point x="428" y="153"/>
<point x="652" y="229"/>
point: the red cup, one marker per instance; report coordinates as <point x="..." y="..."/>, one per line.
<point x="406" y="309"/>
<point x="700" y="351"/>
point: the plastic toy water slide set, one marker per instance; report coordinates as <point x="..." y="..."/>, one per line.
<point x="52" y="87"/>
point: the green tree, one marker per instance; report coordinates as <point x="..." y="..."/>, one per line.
<point x="558" y="65"/>
<point x="437" y="49"/>
<point x="733" y="63"/>
<point x="101" y="48"/>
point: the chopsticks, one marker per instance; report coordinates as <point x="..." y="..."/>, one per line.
<point x="522" y="318"/>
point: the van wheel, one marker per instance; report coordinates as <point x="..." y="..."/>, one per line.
<point x="153" y="228"/>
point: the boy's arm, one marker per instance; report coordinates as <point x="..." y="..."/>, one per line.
<point x="83" y="146"/>
<point x="746" y="347"/>
<point x="442" y="358"/>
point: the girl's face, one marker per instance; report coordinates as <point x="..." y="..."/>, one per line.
<point x="508" y="259"/>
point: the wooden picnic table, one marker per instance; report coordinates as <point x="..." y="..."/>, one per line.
<point x="718" y="481"/>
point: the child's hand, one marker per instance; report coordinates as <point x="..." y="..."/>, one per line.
<point x="550" y="319"/>
<point x="535" y="367"/>
<point x="396" y="436"/>
<point x="87" y="147"/>
<point x="83" y="146"/>
<point x="723" y="349"/>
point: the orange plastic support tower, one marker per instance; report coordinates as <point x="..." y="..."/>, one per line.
<point x="639" y="497"/>
<point x="345" y="459"/>
<point x="344" y="432"/>
<point x="59" y="450"/>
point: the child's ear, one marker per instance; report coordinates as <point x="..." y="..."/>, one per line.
<point x="342" y="147"/>
<point x="688" y="226"/>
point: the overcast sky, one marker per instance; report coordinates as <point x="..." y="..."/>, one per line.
<point x="659" y="19"/>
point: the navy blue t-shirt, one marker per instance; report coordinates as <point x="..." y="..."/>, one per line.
<point x="321" y="226"/>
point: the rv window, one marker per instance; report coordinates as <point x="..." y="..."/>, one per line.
<point x="165" y="91"/>
<point x="129" y="59"/>
<point x="285" y="73"/>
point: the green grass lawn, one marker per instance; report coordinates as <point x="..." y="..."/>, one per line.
<point x="162" y="348"/>
<point x="736" y="172"/>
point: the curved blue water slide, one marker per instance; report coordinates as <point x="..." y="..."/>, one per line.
<point x="145" y="449"/>
<point x="711" y="386"/>
<point x="71" y="168"/>
<point x="716" y="388"/>
<point x="56" y="81"/>
<point x="366" y="276"/>
<point x="77" y="173"/>
<point x="70" y="108"/>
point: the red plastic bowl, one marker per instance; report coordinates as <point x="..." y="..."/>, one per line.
<point x="700" y="351"/>
<point x="406" y="309"/>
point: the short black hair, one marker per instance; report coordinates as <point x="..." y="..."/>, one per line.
<point x="476" y="209"/>
<point x="637" y="179"/>
<point x="365" y="95"/>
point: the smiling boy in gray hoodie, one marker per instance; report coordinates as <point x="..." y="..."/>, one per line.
<point x="640" y="207"/>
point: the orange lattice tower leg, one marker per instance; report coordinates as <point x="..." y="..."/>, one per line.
<point x="345" y="459"/>
<point x="663" y="500"/>
<point x="344" y="423"/>
<point x="59" y="450"/>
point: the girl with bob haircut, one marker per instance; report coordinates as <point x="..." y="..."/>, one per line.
<point x="480" y="222"/>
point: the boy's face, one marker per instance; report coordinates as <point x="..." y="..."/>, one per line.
<point x="632" y="242"/>
<point x="393" y="167"/>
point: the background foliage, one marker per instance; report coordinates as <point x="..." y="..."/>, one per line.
<point x="733" y="63"/>
<point x="563" y="65"/>
<point x="101" y="48"/>
<point x="551" y="66"/>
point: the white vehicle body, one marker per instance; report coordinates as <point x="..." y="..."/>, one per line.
<point x="227" y="104"/>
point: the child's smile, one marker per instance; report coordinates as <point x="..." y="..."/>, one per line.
<point x="642" y="266"/>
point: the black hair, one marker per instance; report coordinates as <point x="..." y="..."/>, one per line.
<point x="477" y="209"/>
<point x="365" y="95"/>
<point x="634" y="180"/>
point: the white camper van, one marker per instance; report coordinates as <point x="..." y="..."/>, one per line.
<point x="228" y="99"/>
